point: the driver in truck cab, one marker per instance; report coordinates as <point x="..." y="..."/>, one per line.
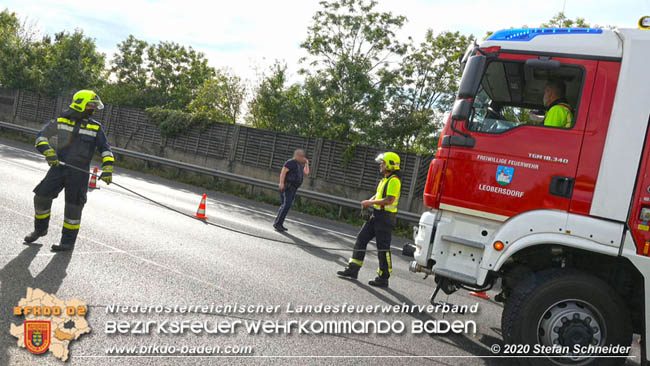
<point x="558" y="110"/>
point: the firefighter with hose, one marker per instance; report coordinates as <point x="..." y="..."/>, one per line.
<point x="380" y="224"/>
<point x="77" y="138"/>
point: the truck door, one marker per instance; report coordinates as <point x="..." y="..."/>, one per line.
<point x="516" y="160"/>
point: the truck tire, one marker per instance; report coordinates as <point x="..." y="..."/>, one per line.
<point x="565" y="307"/>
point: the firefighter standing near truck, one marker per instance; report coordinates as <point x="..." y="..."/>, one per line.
<point x="380" y="224"/>
<point x="77" y="136"/>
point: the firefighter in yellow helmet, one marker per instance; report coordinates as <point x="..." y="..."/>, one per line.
<point x="77" y="138"/>
<point x="380" y="224"/>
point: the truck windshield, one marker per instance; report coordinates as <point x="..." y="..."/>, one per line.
<point x="512" y="95"/>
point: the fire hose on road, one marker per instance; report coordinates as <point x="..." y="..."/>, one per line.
<point x="211" y="223"/>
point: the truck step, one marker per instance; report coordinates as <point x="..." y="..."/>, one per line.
<point x="456" y="276"/>
<point x="465" y="242"/>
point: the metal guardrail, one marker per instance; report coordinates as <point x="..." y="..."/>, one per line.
<point x="408" y="216"/>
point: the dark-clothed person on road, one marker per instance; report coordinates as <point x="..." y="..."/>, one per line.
<point x="78" y="137"/>
<point x="380" y="225"/>
<point x="291" y="178"/>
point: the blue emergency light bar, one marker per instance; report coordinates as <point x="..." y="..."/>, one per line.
<point x="526" y="34"/>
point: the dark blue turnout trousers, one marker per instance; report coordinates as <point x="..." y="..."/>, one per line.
<point x="379" y="226"/>
<point x="75" y="184"/>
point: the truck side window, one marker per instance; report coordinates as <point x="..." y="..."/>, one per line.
<point x="513" y="95"/>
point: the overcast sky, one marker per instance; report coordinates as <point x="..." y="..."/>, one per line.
<point x="246" y="35"/>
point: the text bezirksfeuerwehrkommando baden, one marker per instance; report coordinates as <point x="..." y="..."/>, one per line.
<point x="345" y="326"/>
<point x="289" y="308"/>
<point x="302" y="326"/>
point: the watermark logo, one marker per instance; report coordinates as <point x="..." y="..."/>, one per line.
<point x="51" y="324"/>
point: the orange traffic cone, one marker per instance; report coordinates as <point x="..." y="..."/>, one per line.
<point x="93" y="180"/>
<point x="480" y="295"/>
<point x="200" y="213"/>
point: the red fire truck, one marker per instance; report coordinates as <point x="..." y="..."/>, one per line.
<point x="557" y="217"/>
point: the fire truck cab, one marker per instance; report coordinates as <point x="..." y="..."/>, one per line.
<point x="557" y="215"/>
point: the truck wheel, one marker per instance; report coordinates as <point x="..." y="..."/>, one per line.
<point x="556" y="308"/>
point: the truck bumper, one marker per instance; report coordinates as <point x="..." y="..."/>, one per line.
<point x="452" y="245"/>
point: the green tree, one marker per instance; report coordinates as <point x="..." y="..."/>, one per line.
<point x="427" y="87"/>
<point x="353" y="51"/>
<point x="128" y="65"/>
<point x="129" y="71"/>
<point x="220" y="98"/>
<point x="268" y="107"/>
<point x="72" y="63"/>
<point x="296" y="109"/>
<point x="363" y="85"/>
<point x="164" y="74"/>
<point x="54" y="65"/>
<point x="18" y="66"/>
<point x="177" y="73"/>
<point x="285" y="108"/>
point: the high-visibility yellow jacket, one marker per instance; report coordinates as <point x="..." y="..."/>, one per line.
<point x="393" y="189"/>
<point x="559" y="115"/>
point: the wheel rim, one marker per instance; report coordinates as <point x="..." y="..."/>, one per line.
<point x="571" y="322"/>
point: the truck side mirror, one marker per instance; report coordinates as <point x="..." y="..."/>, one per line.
<point x="461" y="110"/>
<point x="472" y="75"/>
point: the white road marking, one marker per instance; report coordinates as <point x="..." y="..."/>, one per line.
<point x="170" y="269"/>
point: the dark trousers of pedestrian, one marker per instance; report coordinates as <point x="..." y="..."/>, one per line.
<point x="286" y="196"/>
<point x="56" y="180"/>
<point x="380" y="227"/>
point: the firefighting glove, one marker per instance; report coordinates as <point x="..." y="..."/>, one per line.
<point x="50" y="156"/>
<point x="107" y="174"/>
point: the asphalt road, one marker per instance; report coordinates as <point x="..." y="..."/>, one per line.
<point x="131" y="252"/>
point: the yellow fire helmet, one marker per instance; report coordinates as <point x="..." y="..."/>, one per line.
<point x="644" y="22"/>
<point x="390" y="159"/>
<point x="84" y="98"/>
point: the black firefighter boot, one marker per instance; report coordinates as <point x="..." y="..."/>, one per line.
<point x="68" y="238"/>
<point x="64" y="245"/>
<point x="42" y="207"/>
<point x="379" y="282"/>
<point x="71" y="221"/>
<point x="40" y="229"/>
<point x="351" y="271"/>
